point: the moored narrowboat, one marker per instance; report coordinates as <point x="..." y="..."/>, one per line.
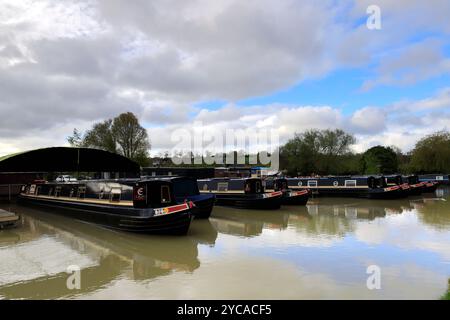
<point x="290" y="197"/>
<point x="247" y="193"/>
<point x="397" y="180"/>
<point x="186" y="189"/>
<point x="430" y="186"/>
<point x="145" y="207"/>
<point x="348" y="186"/>
<point x="416" y="187"/>
<point x="435" y="178"/>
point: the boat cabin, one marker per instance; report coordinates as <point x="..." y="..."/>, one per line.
<point x="338" y="182"/>
<point x="227" y="185"/>
<point x="140" y="194"/>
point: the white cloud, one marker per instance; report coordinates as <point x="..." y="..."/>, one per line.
<point x="94" y="59"/>
<point x="417" y="62"/>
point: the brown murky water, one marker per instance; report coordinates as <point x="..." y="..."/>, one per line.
<point x="321" y="251"/>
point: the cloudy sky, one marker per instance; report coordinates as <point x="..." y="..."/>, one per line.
<point x="288" y="65"/>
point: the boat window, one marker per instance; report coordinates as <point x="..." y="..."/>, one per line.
<point x="165" y="194"/>
<point x="312" y="183"/>
<point x="222" y="186"/>
<point x="32" y="189"/>
<point x="57" y="191"/>
<point x="350" y="183"/>
<point x="205" y="187"/>
<point x="299" y="183"/>
<point x="335" y="183"/>
<point x="258" y="186"/>
<point x="183" y="188"/>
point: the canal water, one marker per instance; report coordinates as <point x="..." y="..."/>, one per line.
<point x="322" y="251"/>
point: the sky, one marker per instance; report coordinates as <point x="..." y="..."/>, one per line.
<point x="284" y="65"/>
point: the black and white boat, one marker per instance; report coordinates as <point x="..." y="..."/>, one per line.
<point x="144" y="207"/>
<point x="290" y="197"/>
<point x="245" y="193"/>
<point x="372" y="187"/>
<point x="186" y="189"/>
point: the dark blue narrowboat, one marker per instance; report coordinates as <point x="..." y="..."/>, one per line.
<point x="144" y="207"/>
<point x="247" y="193"/>
<point x="433" y="180"/>
<point x="186" y="189"/>
<point x="373" y="187"/>
<point x="416" y="187"/>
<point x="290" y="197"/>
<point x="397" y="180"/>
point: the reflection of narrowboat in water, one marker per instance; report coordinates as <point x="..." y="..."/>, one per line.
<point x="248" y="224"/>
<point x="247" y="193"/>
<point x="186" y="189"/>
<point x="146" y="207"/>
<point x="111" y="255"/>
<point x="358" y="208"/>
<point x="347" y="186"/>
<point x="290" y="197"/>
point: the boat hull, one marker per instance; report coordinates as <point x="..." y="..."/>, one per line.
<point x="249" y="201"/>
<point x="430" y="187"/>
<point x="204" y="205"/>
<point x="416" y="189"/>
<point x="377" y="193"/>
<point x="114" y="217"/>
<point x="295" y="198"/>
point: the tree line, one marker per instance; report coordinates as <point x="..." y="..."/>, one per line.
<point x="313" y="152"/>
<point x="328" y="152"/>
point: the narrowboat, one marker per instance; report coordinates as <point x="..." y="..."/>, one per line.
<point x="432" y="181"/>
<point x="290" y="197"/>
<point x="348" y="186"/>
<point x="186" y="189"/>
<point x="246" y="193"/>
<point x="416" y="187"/>
<point x="397" y="180"/>
<point x="145" y="207"/>
<point x="430" y="186"/>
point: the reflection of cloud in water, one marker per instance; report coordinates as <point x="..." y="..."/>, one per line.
<point x="270" y="279"/>
<point x="38" y="258"/>
<point x="404" y="231"/>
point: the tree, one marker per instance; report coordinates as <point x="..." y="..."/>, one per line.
<point x="101" y="137"/>
<point x="76" y="140"/>
<point x="432" y="153"/>
<point x="316" y="151"/>
<point x="129" y="135"/>
<point x="334" y="144"/>
<point x="379" y="160"/>
<point x="123" y="135"/>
